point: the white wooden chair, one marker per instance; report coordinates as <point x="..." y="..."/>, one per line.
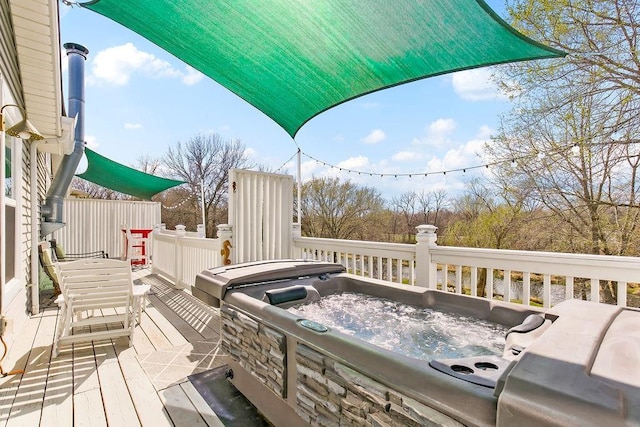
<point x="95" y="292"/>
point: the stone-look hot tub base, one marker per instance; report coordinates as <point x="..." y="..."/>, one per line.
<point x="330" y="393"/>
<point x="327" y="393"/>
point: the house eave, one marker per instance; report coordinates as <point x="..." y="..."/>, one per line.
<point x="37" y="37"/>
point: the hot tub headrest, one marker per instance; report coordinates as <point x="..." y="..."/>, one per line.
<point x="530" y="323"/>
<point x="292" y="293"/>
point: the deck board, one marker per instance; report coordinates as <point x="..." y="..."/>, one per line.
<point x="180" y="408"/>
<point x="104" y="383"/>
<point x="172" y="334"/>
<point x="16" y="359"/>
<point x="200" y="404"/>
<point x="27" y="405"/>
<point x="58" y="399"/>
<point x="151" y="411"/>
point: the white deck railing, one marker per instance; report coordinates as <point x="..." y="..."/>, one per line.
<point x="181" y="258"/>
<point x="393" y="262"/>
<point x="551" y="277"/>
<point x="524" y="277"/>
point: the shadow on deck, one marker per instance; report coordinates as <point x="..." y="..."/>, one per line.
<point x="109" y="383"/>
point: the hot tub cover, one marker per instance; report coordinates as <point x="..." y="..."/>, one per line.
<point x="293" y="59"/>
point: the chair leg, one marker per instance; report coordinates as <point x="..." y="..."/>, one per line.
<point x="132" y="328"/>
<point x="61" y="327"/>
<point x="140" y="308"/>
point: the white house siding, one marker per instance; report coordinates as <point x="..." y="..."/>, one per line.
<point x="9" y="64"/>
<point x="41" y="66"/>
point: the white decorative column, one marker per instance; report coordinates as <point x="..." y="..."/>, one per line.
<point x="181" y="231"/>
<point x="426" y="270"/>
<point x="296" y="233"/>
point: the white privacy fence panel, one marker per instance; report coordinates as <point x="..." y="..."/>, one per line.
<point x="261" y="214"/>
<point x="94" y="224"/>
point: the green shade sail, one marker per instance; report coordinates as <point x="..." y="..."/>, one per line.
<point x="121" y="178"/>
<point x="293" y="59"/>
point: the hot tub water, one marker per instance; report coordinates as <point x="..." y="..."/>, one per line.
<point x="415" y="332"/>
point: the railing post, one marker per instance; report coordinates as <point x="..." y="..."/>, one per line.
<point x="296" y="233"/>
<point x="426" y="270"/>
<point x="225" y="234"/>
<point x="180" y="232"/>
<point x="154" y="247"/>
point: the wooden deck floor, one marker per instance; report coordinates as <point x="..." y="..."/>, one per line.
<point x="108" y="383"/>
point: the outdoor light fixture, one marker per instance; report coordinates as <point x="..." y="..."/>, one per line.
<point x="23" y="129"/>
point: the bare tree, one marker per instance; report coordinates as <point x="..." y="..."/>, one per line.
<point x="95" y="191"/>
<point x="574" y="131"/>
<point x="203" y="162"/>
<point x="431" y="205"/>
<point x="338" y="210"/>
<point x="148" y="164"/>
<point x="405" y="207"/>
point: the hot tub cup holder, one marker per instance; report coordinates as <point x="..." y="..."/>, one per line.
<point x="481" y="370"/>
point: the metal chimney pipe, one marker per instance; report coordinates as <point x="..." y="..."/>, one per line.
<point x="52" y="209"/>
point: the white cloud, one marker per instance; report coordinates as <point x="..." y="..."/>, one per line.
<point x="476" y="85"/>
<point x="64" y="62"/>
<point x="485" y="132"/>
<point x="192" y="76"/>
<point x="91" y="142"/>
<point x="406" y="156"/>
<point x="463" y="156"/>
<point x="132" y="126"/>
<point x="442" y="127"/>
<point x="338" y="138"/>
<point x="374" y="137"/>
<point x="117" y="64"/>
<point x="355" y="163"/>
<point x="370" y="105"/>
<point x="308" y="168"/>
<point x="437" y="133"/>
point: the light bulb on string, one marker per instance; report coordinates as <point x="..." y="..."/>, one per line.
<point x="575" y="150"/>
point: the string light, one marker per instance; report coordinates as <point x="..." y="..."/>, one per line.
<point x="537" y="155"/>
<point x="575" y="150"/>
<point x="285" y="163"/>
<point x="179" y="204"/>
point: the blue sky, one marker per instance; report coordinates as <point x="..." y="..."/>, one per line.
<point x="140" y="100"/>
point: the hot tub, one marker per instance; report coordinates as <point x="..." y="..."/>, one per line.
<point x="575" y="364"/>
